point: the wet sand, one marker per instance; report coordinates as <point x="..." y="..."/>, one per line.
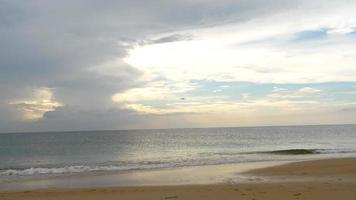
<point x="318" y="179"/>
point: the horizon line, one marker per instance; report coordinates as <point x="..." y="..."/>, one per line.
<point x="177" y="128"/>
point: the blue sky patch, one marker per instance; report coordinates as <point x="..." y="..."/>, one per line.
<point x="310" y="35"/>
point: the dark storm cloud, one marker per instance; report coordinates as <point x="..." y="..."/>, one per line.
<point x="54" y="44"/>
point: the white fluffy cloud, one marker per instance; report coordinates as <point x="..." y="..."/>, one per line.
<point x="309" y="44"/>
<point x="266" y="49"/>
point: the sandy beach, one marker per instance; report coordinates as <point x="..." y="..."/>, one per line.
<point x="317" y="179"/>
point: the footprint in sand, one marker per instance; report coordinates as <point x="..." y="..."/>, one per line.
<point x="297" y="194"/>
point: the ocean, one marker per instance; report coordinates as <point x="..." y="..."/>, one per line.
<point x="63" y="153"/>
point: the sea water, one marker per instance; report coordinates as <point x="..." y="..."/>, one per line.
<point x="63" y="153"/>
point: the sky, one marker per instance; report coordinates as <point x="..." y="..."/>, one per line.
<point x="114" y="64"/>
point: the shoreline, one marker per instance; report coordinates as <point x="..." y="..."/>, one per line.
<point x="192" y="175"/>
<point x="313" y="179"/>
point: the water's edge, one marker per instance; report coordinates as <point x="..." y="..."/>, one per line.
<point x="193" y="175"/>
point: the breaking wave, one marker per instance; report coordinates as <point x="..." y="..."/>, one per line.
<point x="57" y="170"/>
<point x="295" y="151"/>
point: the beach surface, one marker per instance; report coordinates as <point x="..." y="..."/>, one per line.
<point x="316" y="179"/>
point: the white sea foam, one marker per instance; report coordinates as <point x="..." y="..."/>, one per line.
<point x="58" y="170"/>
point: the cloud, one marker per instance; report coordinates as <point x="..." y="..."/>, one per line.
<point x="305" y="92"/>
<point x="170" y="38"/>
<point x="69" y="118"/>
<point x="285" y="47"/>
<point x="341" y="31"/>
<point x="114" y="60"/>
<point x="155" y="91"/>
<point x="245" y="96"/>
<point x="308" y="91"/>
<point x="150" y="101"/>
<point x="35" y="107"/>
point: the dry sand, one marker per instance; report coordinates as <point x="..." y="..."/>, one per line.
<point x="320" y="179"/>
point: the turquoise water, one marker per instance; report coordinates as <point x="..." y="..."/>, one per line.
<point x="61" y="153"/>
